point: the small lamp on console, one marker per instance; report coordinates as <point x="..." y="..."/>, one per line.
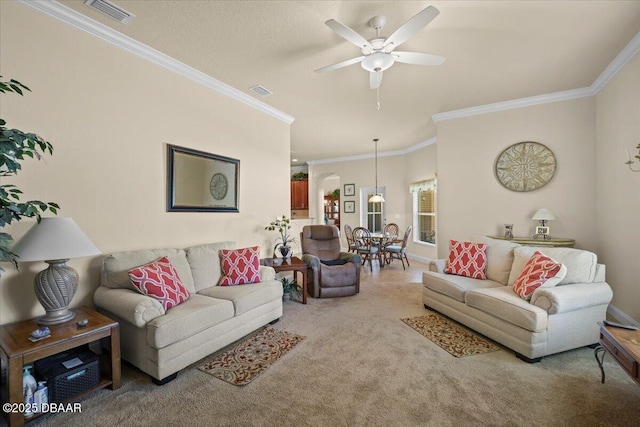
<point x="542" y="231"/>
<point x="55" y="241"/>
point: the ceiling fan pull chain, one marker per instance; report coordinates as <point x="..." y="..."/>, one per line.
<point x="378" y="97"/>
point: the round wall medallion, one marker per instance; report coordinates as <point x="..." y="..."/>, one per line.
<point x="218" y="186"/>
<point x="525" y="166"/>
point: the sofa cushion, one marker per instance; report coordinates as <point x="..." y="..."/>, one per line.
<point x="160" y="281"/>
<point x="204" y="261"/>
<point x="338" y="276"/>
<point x="467" y="259"/>
<point x="240" y="266"/>
<point x="539" y="272"/>
<point x="189" y="318"/>
<point x="116" y="266"/>
<point x="499" y="257"/>
<point x="581" y="265"/>
<point x="503" y="303"/>
<point x="247" y="297"/>
<point x="454" y="286"/>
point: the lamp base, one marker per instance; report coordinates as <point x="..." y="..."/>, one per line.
<point x="55" y="288"/>
<point x="56" y="317"/>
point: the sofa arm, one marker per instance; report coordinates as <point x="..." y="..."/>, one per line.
<point x="267" y="273"/>
<point x="437" y="265"/>
<point x="135" y="308"/>
<point x="566" y="298"/>
<point x="351" y="257"/>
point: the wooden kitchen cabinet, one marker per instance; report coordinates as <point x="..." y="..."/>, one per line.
<point x="300" y="194"/>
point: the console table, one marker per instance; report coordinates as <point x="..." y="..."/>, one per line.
<point x="624" y="346"/>
<point x="294" y="264"/>
<point x="554" y="242"/>
<point x="16" y="350"/>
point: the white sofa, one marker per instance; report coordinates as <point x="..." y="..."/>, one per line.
<point x="161" y="342"/>
<point x="556" y="319"/>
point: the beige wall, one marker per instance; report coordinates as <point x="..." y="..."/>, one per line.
<point x="618" y="189"/>
<point x="395" y="173"/>
<point x="470" y="199"/>
<point x="109" y="115"/>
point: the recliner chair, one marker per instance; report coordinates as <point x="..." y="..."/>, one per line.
<point x="331" y="272"/>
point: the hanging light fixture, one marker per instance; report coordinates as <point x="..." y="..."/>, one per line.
<point x="377" y="197"/>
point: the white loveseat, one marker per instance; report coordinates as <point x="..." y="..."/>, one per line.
<point x="161" y="342"/>
<point x="556" y="319"/>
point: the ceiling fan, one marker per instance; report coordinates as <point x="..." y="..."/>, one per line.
<point x="378" y="54"/>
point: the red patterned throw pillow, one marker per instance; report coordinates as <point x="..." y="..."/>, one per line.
<point x="467" y="259"/>
<point x="160" y="280"/>
<point x="539" y="272"/>
<point x="240" y="266"/>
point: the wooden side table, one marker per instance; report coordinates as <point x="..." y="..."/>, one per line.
<point x="16" y="351"/>
<point x="554" y="242"/>
<point x="624" y="346"/>
<point x="294" y="264"/>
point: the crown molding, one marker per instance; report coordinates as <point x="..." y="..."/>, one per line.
<point x="515" y="103"/>
<point x="626" y="54"/>
<point x="407" y="150"/>
<point x="105" y="33"/>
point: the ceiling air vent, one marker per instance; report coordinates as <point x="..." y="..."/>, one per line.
<point x="262" y="91"/>
<point x="111" y="10"/>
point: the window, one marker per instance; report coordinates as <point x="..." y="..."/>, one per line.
<point x="372" y="213"/>
<point x="424" y="211"/>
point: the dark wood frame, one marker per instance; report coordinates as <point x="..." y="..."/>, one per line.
<point x="233" y="184"/>
<point x="352" y="188"/>
<point x="352" y="204"/>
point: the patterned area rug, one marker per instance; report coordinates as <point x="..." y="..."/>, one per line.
<point x="452" y="338"/>
<point x="244" y="362"/>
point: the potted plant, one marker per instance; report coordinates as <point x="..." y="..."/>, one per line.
<point x="15" y="146"/>
<point x="289" y="287"/>
<point x="282" y="225"/>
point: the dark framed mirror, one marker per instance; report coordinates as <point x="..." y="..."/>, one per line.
<point x="201" y="182"/>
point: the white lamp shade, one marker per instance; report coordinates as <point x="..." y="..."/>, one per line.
<point x="376" y="198"/>
<point x="377" y="62"/>
<point x="544" y="214"/>
<point x="52" y="239"/>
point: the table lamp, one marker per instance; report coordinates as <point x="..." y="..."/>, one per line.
<point x="55" y="241"/>
<point x="543" y="215"/>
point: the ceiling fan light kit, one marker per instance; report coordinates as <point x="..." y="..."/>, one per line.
<point x="378" y="54"/>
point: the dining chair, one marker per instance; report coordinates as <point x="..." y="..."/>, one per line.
<point x="398" y="252"/>
<point x="348" y="233"/>
<point x="393" y="231"/>
<point x="366" y="248"/>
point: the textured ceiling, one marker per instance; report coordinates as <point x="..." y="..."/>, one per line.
<point x="496" y="51"/>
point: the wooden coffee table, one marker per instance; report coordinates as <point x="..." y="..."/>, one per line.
<point x="294" y="264"/>
<point x="624" y="346"/>
<point x="16" y="351"/>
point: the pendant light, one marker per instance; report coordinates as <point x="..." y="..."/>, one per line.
<point x="377" y="197"/>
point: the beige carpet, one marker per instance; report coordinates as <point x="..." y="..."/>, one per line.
<point x="245" y="361"/>
<point x="361" y="366"/>
<point x="449" y="336"/>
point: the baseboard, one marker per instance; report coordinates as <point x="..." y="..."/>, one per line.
<point x="418" y="258"/>
<point x="621" y="316"/>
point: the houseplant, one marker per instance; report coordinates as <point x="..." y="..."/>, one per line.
<point x="282" y="225"/>
<point x="290" y="289"/>
<point x="15" y="146"/>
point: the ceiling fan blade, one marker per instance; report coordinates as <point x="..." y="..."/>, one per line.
<point x="412" y="26"/>
<point x="418" y="58"/>
<point x="348" y="34"/>
<point x="375" y="78"/>
<point x="340" y="65"/>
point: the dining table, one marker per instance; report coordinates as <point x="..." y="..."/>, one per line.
<point x="381" y="240"/>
